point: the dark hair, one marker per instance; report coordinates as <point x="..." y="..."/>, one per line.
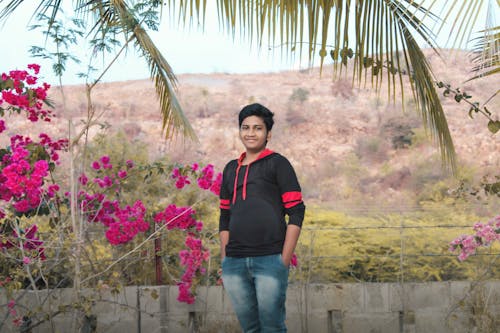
<point x="258" y="110"/>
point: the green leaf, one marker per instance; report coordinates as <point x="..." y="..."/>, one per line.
<point x="494" y="126"/>
<point x="367" y="62"/>
<point x="334" y="54"/>
<point x="458" y="98"/>
<point x="472" y="109"/>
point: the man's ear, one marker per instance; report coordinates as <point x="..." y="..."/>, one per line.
<point x="269" y="134"/>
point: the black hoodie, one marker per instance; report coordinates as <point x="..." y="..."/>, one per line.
<point x="254" y="200"/>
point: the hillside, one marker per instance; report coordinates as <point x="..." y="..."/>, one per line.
<point x="347" y="143"/>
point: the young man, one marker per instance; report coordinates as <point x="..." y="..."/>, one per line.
<point x="258" y="190"/>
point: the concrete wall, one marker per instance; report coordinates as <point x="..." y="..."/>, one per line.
<point x="344" y="307"/>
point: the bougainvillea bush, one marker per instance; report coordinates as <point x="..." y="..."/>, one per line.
<point x="119" y="206"/>
<point x="485" y="234"/>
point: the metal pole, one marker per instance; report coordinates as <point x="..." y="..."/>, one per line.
<point x="159" y="281"/>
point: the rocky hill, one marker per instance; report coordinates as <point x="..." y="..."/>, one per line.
<point x="348" y="143"/>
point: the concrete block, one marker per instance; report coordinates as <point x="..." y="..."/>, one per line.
<point x="458" y="292"/>
<point x="492" y="291"/>
<point x="345" y="296"/>
<point x="352" y="298"/>
<point x="150" y="298"/>
<point x="174" y="306"/>
<point x="423" y="296"/>
<point x="431" y="321"/>
<point x="295" y="323"/>
<point x="376" y="297"/>
<point x="209" y="299"/>
<point x="317" y="322"/>
<point x="459" y="321"/>
<point x="215" y="323"/>
<point x="371" y="323"/>
<point x="121" y="306"/>
<point x="296" y="300"/>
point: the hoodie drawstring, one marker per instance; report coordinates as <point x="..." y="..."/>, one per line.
<point x="236" y="182"/>
<point x="265" y="153"/>
<point x="245" y="182"/>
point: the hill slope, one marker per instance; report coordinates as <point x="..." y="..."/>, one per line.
<point x="347" y="143"/>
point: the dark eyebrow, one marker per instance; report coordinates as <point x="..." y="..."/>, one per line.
<point x="256" y="125"/>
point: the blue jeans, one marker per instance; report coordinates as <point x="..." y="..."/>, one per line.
<point x="257" y="289"/>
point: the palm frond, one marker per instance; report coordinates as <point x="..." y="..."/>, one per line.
<point x="383" y="47"/>
<point x="459" y="20"/>
<point x="174" y="120"/>
<point x="112" y="14"/>
<point x="44" y="6"/>
<point x="486" y="53"/>
<point x="428" y="100"/>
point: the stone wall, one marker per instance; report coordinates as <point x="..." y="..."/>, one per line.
<point x="344" y="307"/>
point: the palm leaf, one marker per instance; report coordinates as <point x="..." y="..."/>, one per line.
<point x="116" y="13"/>
<point x="486" y="54"/>
<point x="459" y="19"/>
<point x="383" y="49"/>
<point x="174" y="120"/>
<point x="43" y="8"/>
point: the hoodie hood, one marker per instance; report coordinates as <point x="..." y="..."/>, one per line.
<point x="266" y="152"/>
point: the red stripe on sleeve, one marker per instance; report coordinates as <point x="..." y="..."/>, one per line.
<point x="291" y="204"/>
<point x="291" y="196"/>
<point x="224" y="203"/>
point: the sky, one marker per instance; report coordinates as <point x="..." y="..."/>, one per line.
<point x="186" y="50"/>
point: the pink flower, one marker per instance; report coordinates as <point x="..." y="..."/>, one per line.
<point x="176" y="173"/>
<point x="182" y="181"/>
<point x="105" y="159"/>
<point x="96" y="165"/>
<point x="11" y="304"/>
<point x="26" y="260"/>
<point x="122" y="174"/>
<point x="34" y="67"/>
<point x="22" y="206"/>
<point x="484" y="235"/>
<point x="83" y="179"/>
<point x="52" y="190"/>
<point x="2" y="126"/>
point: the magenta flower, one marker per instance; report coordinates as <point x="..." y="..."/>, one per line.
<point x="34" y="67"/>
<point x="105" y="159"/>
<point x="485" y="235"/>
<point x="83" y="179"/>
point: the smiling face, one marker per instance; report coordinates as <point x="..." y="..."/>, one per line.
<point x="254" y="134"/>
